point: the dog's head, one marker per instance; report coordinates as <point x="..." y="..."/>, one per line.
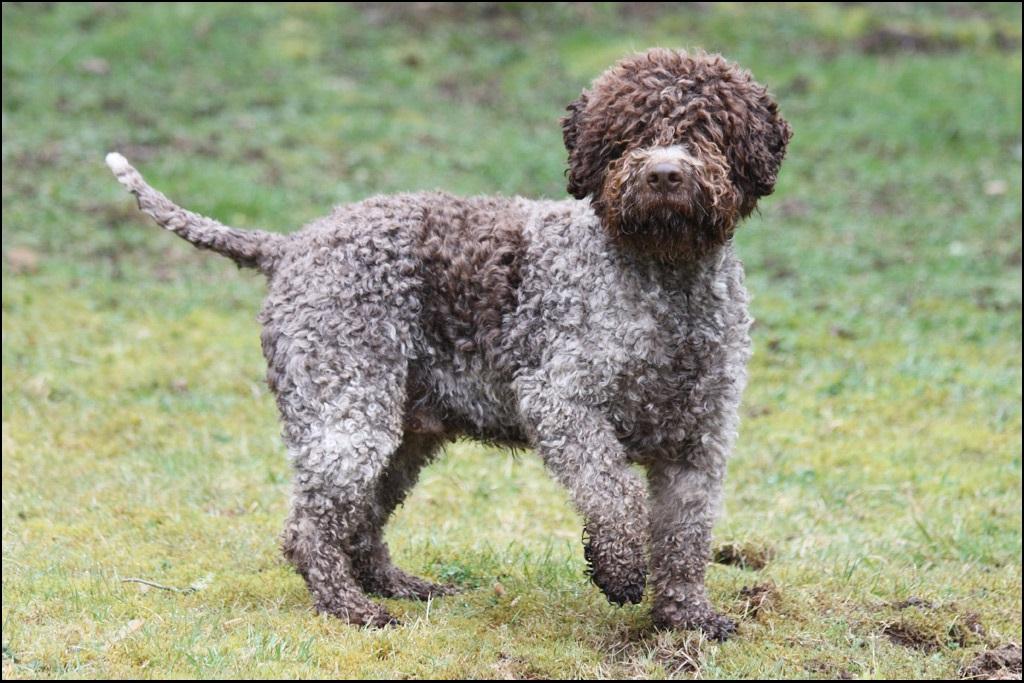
<point x="674" y="149"/>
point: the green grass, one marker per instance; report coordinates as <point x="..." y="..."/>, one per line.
<point x="880" y="454"/>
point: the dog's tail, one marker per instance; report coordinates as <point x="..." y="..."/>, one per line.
<point x="249" y="248"/>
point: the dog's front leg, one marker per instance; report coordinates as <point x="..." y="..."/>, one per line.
<point x="580" y="448"/>
<point x="685" y="501"/>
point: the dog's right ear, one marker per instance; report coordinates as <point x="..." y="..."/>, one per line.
<point x="580" y="171"/>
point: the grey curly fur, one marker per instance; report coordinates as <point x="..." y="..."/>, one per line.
<point x="602" y="333"/>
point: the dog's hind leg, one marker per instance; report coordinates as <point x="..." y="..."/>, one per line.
<point x="342" y="407"/>
<point x="371" y="559"/>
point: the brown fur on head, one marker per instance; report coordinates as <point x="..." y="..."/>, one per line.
<point x="674" y="149"/>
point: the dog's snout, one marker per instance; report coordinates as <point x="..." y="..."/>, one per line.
<point x="665" y="176"/>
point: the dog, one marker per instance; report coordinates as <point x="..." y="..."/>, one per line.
<point x="603" y="331"/>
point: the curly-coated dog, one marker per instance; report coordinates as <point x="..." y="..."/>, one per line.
<point x="602" y="333"/>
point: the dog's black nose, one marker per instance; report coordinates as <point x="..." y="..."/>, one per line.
<point x="665" y="176"/>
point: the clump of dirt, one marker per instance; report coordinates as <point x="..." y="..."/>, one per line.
<point x="887" y="40"/>
<point x="925" y="626"/>
<point x="743" y="555"/>
<point x="913" y="601"/>
<point x="759" y="597"/>
<point x="825" y="669"/>
<point x="910" y="636"/>
<point x="514" y="668"/>
<point x="967" y="629"/>
<point x="998" y="664"/>
<point x="989" y="299"/>
<point x="22" y="260"/>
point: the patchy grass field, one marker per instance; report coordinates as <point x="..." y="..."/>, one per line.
<point x="878" y="470"/>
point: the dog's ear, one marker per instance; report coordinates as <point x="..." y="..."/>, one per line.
<point x="571" y="121"/>
<point x="756" y="155"/>
<point x="582" y="168"/>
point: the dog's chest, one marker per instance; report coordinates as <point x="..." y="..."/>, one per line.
<point x="663" y="343"/>
<point x="658" y="351"/>
<point x="653" y="348"/>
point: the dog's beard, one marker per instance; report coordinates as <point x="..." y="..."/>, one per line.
<point x="668" y="228"/>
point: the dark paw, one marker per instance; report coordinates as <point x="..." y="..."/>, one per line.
<point x="419" y="589"/>
<point x="621" y="581"/>
<point x="367" y="614"/>
<point x="714" y="626"/>
<point x="440" y="590"/>
<point x="387" y="621"/>
<point x="624" y="595"/>
<point x="398" y="584"/>
<point x="718" y="627"/>
<point x="621" y="584"/>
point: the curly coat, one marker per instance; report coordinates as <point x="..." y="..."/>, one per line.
<point x="602" y="333"/>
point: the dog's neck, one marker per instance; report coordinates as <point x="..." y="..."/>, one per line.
<point x="675" y="242"/>
<point x="668" y="262"/>
<point x="676" y="273"/>
<point x="672" y="270"/>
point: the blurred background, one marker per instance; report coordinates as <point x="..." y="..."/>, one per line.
<point x="873" y="524"/>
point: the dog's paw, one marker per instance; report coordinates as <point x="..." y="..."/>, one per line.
<point x="402" y="585"/>
<point x="359" y="613"/>
<point x="630" y="594"/>
<point x="621" y="585"/>
<point x="622" y="582"/>
<point x="715" y="626"/>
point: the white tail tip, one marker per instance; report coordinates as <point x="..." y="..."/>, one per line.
<point x="117" y="163"/>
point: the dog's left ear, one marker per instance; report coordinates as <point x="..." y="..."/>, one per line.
<point x="571" y="122"/>
<point x="756" y="155"/>
<point x="582" y="169"/>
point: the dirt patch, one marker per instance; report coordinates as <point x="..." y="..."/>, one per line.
<point x="988" y="298"/>
<point x="100" y="12"/>
<point x="998" y="664"/>
<point x="488" y="93"/>
<point x="757" y="598"/>
<point x="113" y="216"/>
<point x="828" y="670"/>
<point x="913" y="601"/>
<point x="889" y="40"/>
<point x="799" y="85"/>
<point x="22" y="260"/>
<point x="49" y="155"/>
<point x="1005" y="42"/>
<point x="514" y="668"/>
<point x="927" y="627"/>
<point x="755" y="411"/>
<point x="507" y="21"/>
<point x="142" y="152"/>
<point x="793" y="208"/>
<point x="967" y="629"/>
<point x="840" y="332"/>
<point x="743" y="555"/>
<point x="778" y="269"/>
<point x="910" y="636"/>
<point x="652" y="11"/>
<point x="886" y="41"/>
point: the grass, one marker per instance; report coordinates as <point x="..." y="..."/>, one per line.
<point x="879" y="462"/>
